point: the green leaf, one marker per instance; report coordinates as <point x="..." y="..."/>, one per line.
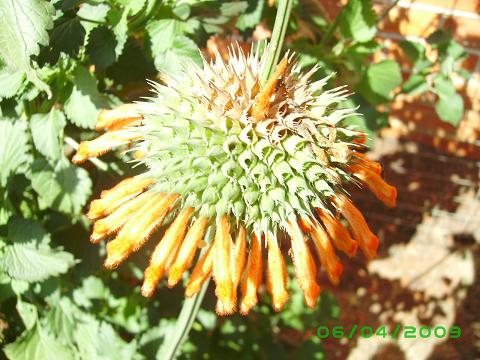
<point x="92" y="288"/>
<point x="85" y="101"/>
<point x="120" y="30"/>
<point x="65" y="188"/>
<point x="370" y="121"/>
<point x="439" y="37"/>
<point x="98" y="340"/>
<point x="19" y="287"/>
<point x="24" y="25"/>
<point x="101" y="47"/>
<point x="444" y="86"/>
<point x="14" y="147"/>
<point x="37" y="344"/>
<point x="30" y="262"/>
<point x="252" y="15"/>
<point x="134" y="6"/>
<point x="21" y="230"/>
<point x="455" y="50"/>
<point x="447" y="66"/>
<point x="379" y="81"/>
<point x="358" y="53"/>
<point x="415" y="85"/>
<point x="28" y="313"/>
<point x="358" y="20"/>
<point x="414" y="50"/>
<point x="47" y="133"/>
<point x="450" y="108"/>
<point x="182" y="11"/>
<point x="132" y="65"/>
<point x="67" y="36"/>
<point x="10" y="82"/>
<point x="233" y="8"/>
<point x="162" y="34"/>
<point x="172" y="60"/>
<point x="96" y="13"/>
<point x="61" y="320"/>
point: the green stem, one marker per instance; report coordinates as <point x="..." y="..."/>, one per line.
<point x="91" y="20"/>
<point x="278" y="34"/>
<point x="174" y="340"/>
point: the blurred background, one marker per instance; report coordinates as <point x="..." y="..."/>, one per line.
<point x="414" y="71"/>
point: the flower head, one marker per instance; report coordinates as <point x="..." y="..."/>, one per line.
<point x="243" y="170"/>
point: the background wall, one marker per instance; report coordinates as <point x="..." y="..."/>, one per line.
<point x="416" y="116"/>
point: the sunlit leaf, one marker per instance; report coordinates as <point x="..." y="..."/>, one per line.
<point x="251" y="16"/>
<point x="358" y="20"/>
<point x="37" y="344"/>
<point x="450" y="108"/>
<point x="30" y="262"/>
<point x="21" y="230"/>
<point x="28" y="312"/>
<point x="14" y="147"/>
<point x="85" y="101"/>
<point x="10" y="82"/>
<point x="24" y="25"/>
<point x="171" y="60"/>
<point x="380" y="80"/>
<point x="47" y="133"/>
<point x="65" y="188"/>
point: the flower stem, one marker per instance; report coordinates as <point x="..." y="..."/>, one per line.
<point x="278" y="34"/>
<point x="175" y="338"/>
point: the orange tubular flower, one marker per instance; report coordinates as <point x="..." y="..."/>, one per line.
<point x="383" y="192"/>
<point x="305" y="268"/>
<point x="239" y="256"/>
<point x="124" y="115"/>
<point x="326" y="253"/>
<point x="165" y="248"/>
<point x="252" y="276"/>
<point x="137" y="230"/>
<point x="236" y="156"/>
<point x="187" y="251"/>
<point x="367" y="163"/>
<point x="360" y="139"/>
<point x="276" y="274"/>
<point x="110" y="224"/>
<point x="102" y="145"/>
<point x="113" y="198"/>
<point x="201" y="272"/>
<point x="339" y="235"/>
<point x="260" y="110"/>
<point x="367" y="240"/>
<point x="222" y="247"/>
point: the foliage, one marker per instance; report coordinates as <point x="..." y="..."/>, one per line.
<point x="71" y="58"/>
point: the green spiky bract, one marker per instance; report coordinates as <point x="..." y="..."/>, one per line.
<point x="200" y="142"/>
